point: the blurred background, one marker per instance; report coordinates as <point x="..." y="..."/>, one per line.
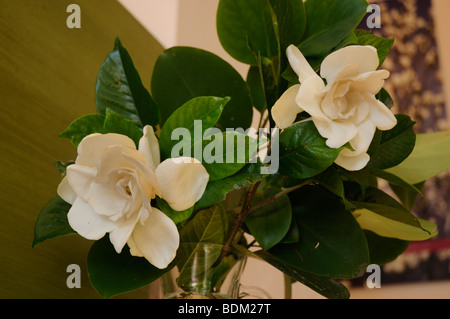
<point x="48" y="79"/>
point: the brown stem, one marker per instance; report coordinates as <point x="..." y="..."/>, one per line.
<point x="239" y="221"/>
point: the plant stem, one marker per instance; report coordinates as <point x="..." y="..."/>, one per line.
<point x="273" y="198"/>
<point x="239" y="221"/>
<point x="287" y="287"/>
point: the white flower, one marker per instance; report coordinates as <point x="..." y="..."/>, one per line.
<point x="110" y="187"/>
<point x="345" y="110"/>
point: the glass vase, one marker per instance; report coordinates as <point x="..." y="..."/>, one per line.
<point x="199" y="274"/>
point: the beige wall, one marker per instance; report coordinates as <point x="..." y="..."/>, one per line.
<point x="192" y="23"/>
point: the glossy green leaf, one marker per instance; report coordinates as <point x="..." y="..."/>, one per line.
<point x="119" y="87"/>
<point x="386" y="217"/>
<point x="384" y="97"/>
<point x="392" y="223"/>
<point x="226" y="153"/>
<point x="383" y="250"/>
<point x="205" y="110"/>
<point x="183" y="73"/>
<point x="303" y="152"/>
<point x="331" y="242"/>
<point x="115" y="123"/>
<point x="325" y="286"/>
<point x="328" y="23"/>
<point x="217" y="191"/>
<point x="395" y="145"/>
<point x="82" y="127"/>
<point x="255" y="83"/>
<point x="52" y="221"/>
<point x="429" y="158"/>
<point x="113" y="274"/>
<point x="291" y="21"/>
<point x="240" y="22"/>
<point x="407" y="196"/>
<point x="397" y="181"/>
<point x="209" y="226"/>
<point x="270" y="224"/>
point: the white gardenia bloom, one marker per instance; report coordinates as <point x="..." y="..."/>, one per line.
<point x="110" y="187"/>
<point x="345" y="110"/>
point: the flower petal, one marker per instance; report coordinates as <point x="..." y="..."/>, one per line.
<point x="80" y="178"/>
<point x="86" y="222"/>
<point x="380" y="115"/>
<point x="126" y="159"/>
<point x="66" y="192"/>
<point x="337" y="133"/>
<point x="92" y="147"/>
<point x="120" y="236"/>
<point x="157" y="239"/>
<point x="285" y="110"/>
<point x="299" y="64"/>
<point x="358" y="158"/>
<point x="149" y="146"/>
<point x="310" y="96"/>
<point x="183" y="181"/>
<point x="352" y="163"/>
<point x="371" y="82"/>
<point x="108" y="200"/>
<point x="365" y="56"/>
<point x="361" y="142"/>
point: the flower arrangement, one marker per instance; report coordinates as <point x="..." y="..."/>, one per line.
<point x="183" y="166"/>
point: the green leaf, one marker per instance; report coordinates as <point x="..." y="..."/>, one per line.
<point x="206" y="109"/>
<point x="113" y="274"/>
<point x="119" y="87"/>
<point x="291" y="21"/>
<point x="240" y="22"/>
<point x="393" y="223"/>
<point x="183" y="73"/>
<point x="386" y="217"/>
<point x="327" y="287"/>
<point x="384" y="97"/>
<point x="209" y="226"/>
<point x="397" y="181"/>
<point x="406" y="195"/>
<point x="303" y="152"/>
<point x="256" y="85"/>
<point x="176" y="216"/>
<point x="82" y="127"/>
<point x="52" y="221"/>
<point x="115" y="123"/>
<point x="270" y="224"/>
<point x="227" y="153"/>
<point x="329" y="23"/>
<point x="382" y="45"/>
<point x="383" y="250"/>
<point x="395" y="145"/>
<point x="217" y="191"/>
<point x="429" y="158"/>
<point x="331" y="242"/>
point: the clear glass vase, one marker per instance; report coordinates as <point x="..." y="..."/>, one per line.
<point x="199" y="275"/>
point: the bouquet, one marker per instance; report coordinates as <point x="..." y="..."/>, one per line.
<point x="160" y="173"/>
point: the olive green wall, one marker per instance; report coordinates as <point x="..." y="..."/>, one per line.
<point x="47" y="79"/>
